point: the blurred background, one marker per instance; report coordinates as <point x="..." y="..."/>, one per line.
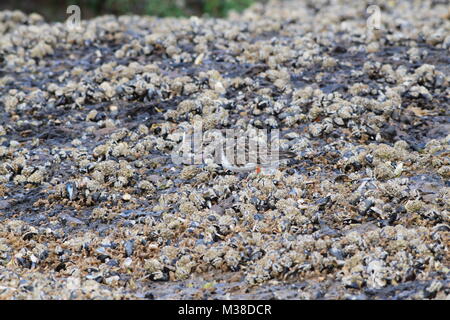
<point x="56" y="9"/>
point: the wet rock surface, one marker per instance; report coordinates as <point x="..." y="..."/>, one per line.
<point x="92" y="206"/>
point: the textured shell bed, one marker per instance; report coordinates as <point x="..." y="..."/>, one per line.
<point x="92" y="206"/>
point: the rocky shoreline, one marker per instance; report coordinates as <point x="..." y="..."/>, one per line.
<point x="92" y="207"/>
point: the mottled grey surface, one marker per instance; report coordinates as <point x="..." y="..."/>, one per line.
<point x="91" y="205"/>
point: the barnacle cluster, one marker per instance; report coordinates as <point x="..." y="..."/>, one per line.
<point x="91" y="201"/>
